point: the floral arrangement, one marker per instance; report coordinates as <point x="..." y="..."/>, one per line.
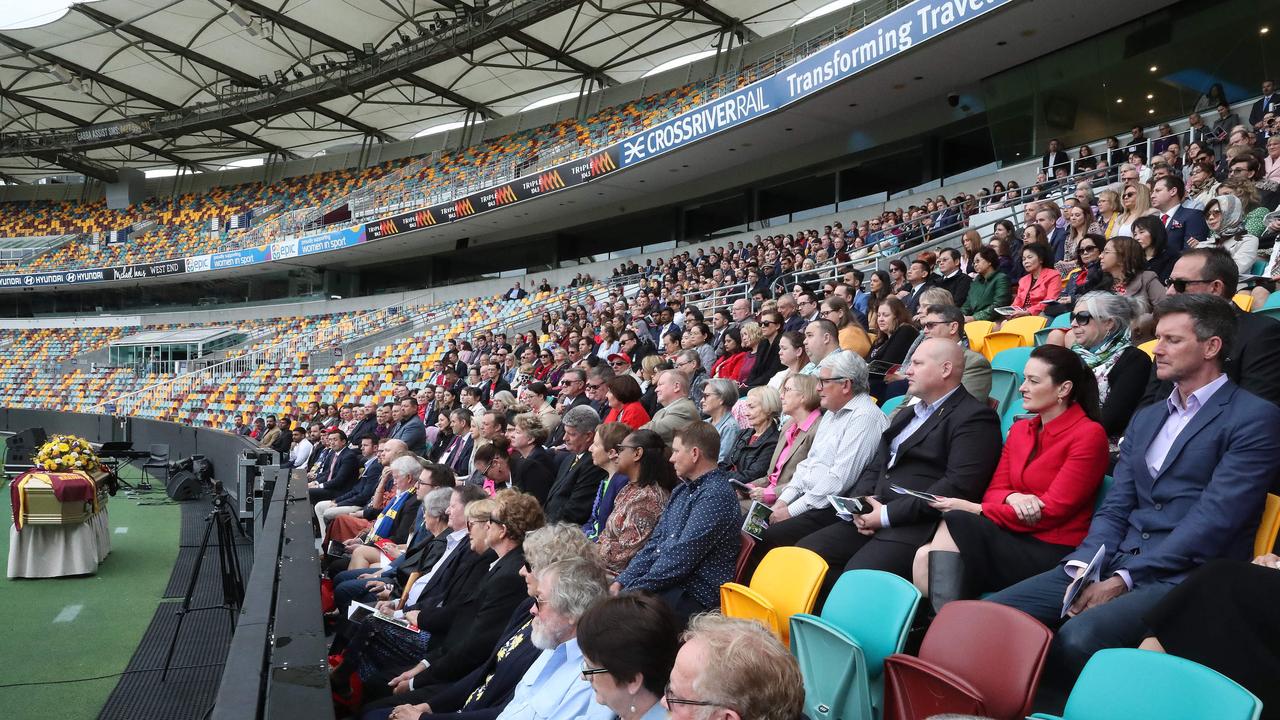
<point x="64" y="453"/>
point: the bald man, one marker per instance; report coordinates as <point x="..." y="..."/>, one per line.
<point x="947" y="445"/>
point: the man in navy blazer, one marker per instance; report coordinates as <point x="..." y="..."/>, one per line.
<point x="1189" y="487"/>
<point x="342" y="471"/>
<point x="1181" y="223"/>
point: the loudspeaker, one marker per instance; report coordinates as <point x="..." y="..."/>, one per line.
<point x="24" y="445"/>
<point x="182" y="485"/>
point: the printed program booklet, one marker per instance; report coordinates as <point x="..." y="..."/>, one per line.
<point x="1086" y="577"/>
<point x="757" y="520"/>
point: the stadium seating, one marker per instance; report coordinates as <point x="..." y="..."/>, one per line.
<point x="785" y="583"/>
<point x="1170" y="687"/>
<point x="977" y="658"/>
<point x="841" y="652"/>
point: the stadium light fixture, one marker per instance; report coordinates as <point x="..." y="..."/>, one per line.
<point x="1264" y="30"/>
<point x="1154" y="68"/>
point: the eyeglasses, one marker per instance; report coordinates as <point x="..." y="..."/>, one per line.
<point x="1129" y="195"/>
<point x="835" y="378"/>
<point x="621" y="446"/>
<point x="619" y="363"/>
<point x="594" y="386"/>
<point x="471" y="523"/>
<point x="931" y="324"/>
<point x="770" y="322"/>
<point x="1082" y="318"/>
<point x="673" y="700"/>
<point x="528" y="567"/>
<point x="496" y="521"/>
<point x="1215" y="212"/>
<point x="587" y="672"/>
<point x="1180" y="284"/>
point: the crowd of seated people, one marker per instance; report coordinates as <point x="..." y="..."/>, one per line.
<point x="646" y="487"/>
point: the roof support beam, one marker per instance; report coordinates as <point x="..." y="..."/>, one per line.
<point x="724" y="20"/>
<point x="323" y="38"/>
<point x="129" y="90"/>
<point x="217" y="66"/>
<point x="549" y="51"/>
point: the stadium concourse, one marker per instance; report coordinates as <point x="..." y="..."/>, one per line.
<point x="874" y="442"/>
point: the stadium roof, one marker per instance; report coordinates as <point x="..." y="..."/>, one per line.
<point x="106" y="60"/>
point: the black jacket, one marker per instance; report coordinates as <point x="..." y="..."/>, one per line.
<point x="747" y="461"/>
<point x="574" y="490"/>
<point x="957" y="285"/>
<point x="362" y="492"/>
<point x="954" y="453"/>
<point x="767" y="363"/>
<point x="346" y="470"/>
<point x="469" y="621"/>
<point x="534" y="474"/>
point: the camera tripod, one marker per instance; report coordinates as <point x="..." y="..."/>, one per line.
<point x="222" y="516"/>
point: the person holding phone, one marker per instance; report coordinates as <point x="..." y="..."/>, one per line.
<point x="1038" y="505"/>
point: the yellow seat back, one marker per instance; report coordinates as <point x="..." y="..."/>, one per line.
<point x="976" y="331"/>
<point x="786" y="582"/>
<point x="1149" y="347"/>
<point x="1243" y="300"/>
<point x="1265" y="541"/>
<point x="1026" y="326"/>
<point x="997" y="342"/>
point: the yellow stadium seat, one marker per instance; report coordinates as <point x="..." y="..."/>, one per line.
<point x="786" y="582"/>
<point x="1243" y="300"/>
<point x="1026" y="326"/>
<point x="1149" y="347"/>
<point x="976" y="331"/>
<point x="1265" y="541"/>
<point x="994" y="343"/>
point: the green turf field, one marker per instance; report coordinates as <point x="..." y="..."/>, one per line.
<point x="117" y="604"/>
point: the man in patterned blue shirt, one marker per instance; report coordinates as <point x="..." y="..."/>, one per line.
<point x="694" y="547"/>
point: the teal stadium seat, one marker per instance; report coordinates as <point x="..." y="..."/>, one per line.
<point x="888" y="406"/>
<point x="841" y="653"/>
<point x="1124" y="683"/>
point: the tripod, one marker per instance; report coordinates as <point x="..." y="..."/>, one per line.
<point x="223" y="517"/>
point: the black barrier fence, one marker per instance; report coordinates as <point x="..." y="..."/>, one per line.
<point x="276" y="667"/>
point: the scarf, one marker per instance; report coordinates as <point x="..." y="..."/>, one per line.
<point x="387" y="519"/>
<point x="1232" y="223"/>
<point x="1103" y="358"/>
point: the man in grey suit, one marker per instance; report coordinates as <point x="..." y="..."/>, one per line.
<point x="677" y="411"/>
<point x="1190" y="486"/>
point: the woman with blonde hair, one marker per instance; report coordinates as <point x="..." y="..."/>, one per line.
<point x="750" y="449"/>
<point x="1135" y="201"/>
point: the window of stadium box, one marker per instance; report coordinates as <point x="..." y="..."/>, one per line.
<point x="1160" y="66"/>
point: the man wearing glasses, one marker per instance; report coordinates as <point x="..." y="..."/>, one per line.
<point x="808" y="304"/>
<point x="736" y="665"/>
<point x="1254" y="358"/>
<point x="621" y="362"/>
<point x="573" y="389"/>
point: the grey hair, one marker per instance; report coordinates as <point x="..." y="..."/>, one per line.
<point x="726" y="390"/>
<point x="579" y="583"/>
<point x="581" y="418"/>
<point x="552" y="543"/>
<point x="406" y="465"/>
<point x="690" y="356"/>
<point x="848" y="365"/>
<point x="437" y="503"/>
<point x="1121" y="309"/>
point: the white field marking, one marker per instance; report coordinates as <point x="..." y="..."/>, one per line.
<point x="68" y="613"/>
<point x="122" y="530"/>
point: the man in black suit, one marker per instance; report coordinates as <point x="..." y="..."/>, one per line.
<point x="491" y="383"/>
<point x="457" y="456"/>
<point x="341" y="472"/>
<point x="947" y="444"/>
<point x="918" y="275"/>
<point x="1046" y="217"/>
<point x="1253" y="360"/>
<point x="1268" y="103"/>
<point x="576" y="483"/>
<point x="1054" y="157"/>
<point x="952" y="279"/>
<point x="573" y="392"/>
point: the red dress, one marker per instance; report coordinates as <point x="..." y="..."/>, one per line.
<point x="728" y="366"/>
<point x="633" y="414"/>
<point x="1065" y="473"/>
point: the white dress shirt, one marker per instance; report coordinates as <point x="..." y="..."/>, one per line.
<point x="845" y="442"/>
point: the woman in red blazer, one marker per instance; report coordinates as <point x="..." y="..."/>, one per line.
<point x="1041" y="498"/>
<point x="1042" y="284"/>
<point x="623" y="396"/>
<point x="729" y="365"/>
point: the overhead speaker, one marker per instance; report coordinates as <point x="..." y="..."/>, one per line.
<point x="23" y="446"/>
<point x="182" y="485"/>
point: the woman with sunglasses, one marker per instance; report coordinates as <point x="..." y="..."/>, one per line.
<point x="629" y="643"/>
<point x="1135" y="201"/>
<point x="1225" y="217"/>
<point x="1101" y="334"/>
<point x="1079" y="219"/>
<point x="1040" y="501"/>
<point x="1087" y="270"/>
<point x="642" y="457"/>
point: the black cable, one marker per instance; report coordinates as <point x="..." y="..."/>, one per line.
<point x="105" y="677"/>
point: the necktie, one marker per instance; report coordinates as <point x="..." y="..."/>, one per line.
<point x="453" y="449"/>
<point x="1164" y="219"/>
